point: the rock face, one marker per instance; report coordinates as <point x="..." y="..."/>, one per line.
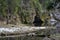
<point x="52" y="20"/>
<point x="56" y="16"/>
<point x="56" y="12"/>
<point x="58" y="27"/>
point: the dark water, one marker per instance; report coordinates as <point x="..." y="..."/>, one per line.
<point x="23" y="38"/>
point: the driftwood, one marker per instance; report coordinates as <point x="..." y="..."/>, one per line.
<point x="21" y="30"/>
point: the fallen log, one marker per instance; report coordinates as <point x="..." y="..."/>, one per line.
<point x="21" y="30"/>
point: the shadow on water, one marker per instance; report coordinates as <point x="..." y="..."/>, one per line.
<point x="22" y="38"/>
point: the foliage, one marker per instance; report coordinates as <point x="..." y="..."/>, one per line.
<point x="37" y="6"/>
<point x="23" y="10"/>
<point x="3" y="7"/>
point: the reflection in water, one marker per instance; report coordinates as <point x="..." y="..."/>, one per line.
<point x="22" y="38"/>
